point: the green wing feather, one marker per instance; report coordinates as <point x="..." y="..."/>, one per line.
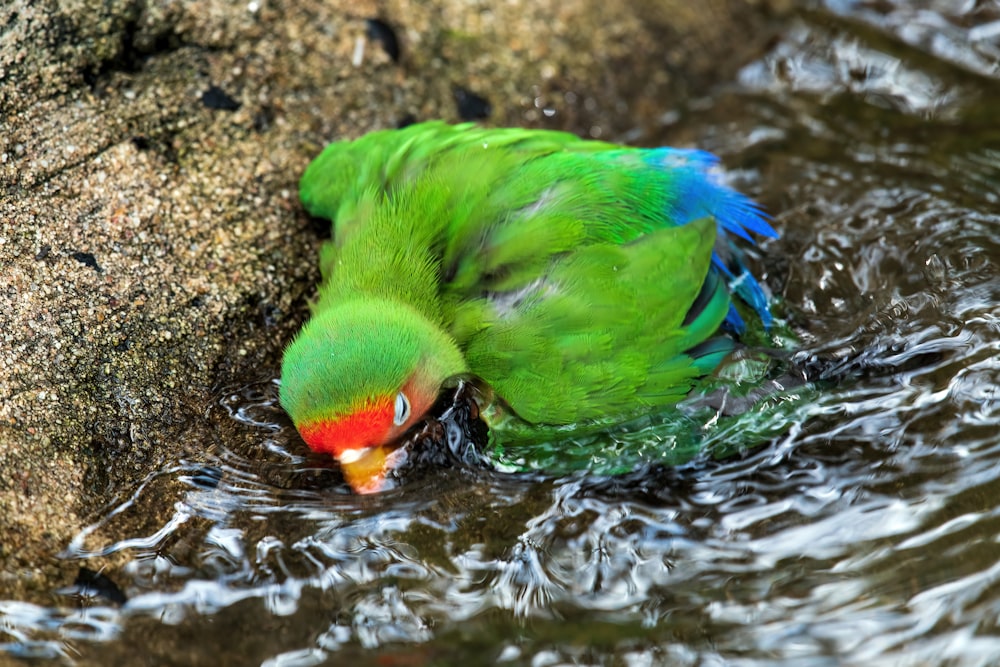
<point x="603" y="333"/>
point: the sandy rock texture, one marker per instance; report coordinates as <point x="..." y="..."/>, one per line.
<point x="152" y="250"/>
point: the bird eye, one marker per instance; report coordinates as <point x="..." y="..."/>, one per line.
<point x="402" y="409"/>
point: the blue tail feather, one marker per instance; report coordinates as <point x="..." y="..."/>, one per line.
<point x="733" y="322"/>
<point x="744" y="285"/>
<point x="700" y="194"/>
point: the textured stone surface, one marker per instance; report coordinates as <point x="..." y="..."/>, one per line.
<point x="151" y="243"/>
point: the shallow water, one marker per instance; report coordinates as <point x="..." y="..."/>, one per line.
<point x="867" y="532"/>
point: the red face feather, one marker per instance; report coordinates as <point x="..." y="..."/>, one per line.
<point x="365" y="427"/>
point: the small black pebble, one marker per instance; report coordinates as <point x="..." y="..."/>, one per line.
<point x="88" y="259"/>
<point x="270" y="314"/>
<point x="90" y="584"/>
<point x="470" y="105"/>
<point x="263" y="118"/>
<point x="382" y="32"/>
<point x="216" y="98"/>
<point x="90" y="77"/>
<point x="44" y="252"/>
<point x="207" y="477"/>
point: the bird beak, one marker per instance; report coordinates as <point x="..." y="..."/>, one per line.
<point x="365" y="468"/>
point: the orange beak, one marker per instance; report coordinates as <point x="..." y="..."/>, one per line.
<point x="365" y="468"/>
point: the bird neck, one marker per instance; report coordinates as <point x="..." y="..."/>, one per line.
<point x="390" y="253"/>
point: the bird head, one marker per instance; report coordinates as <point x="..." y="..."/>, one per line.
<point x="358" y="376"/>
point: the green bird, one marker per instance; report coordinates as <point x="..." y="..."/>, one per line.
<point x="580" y="280"/>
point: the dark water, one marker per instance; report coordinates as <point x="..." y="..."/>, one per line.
<point x="866" y="533"/>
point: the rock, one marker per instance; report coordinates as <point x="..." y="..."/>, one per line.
<point x="151" y="243"/>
